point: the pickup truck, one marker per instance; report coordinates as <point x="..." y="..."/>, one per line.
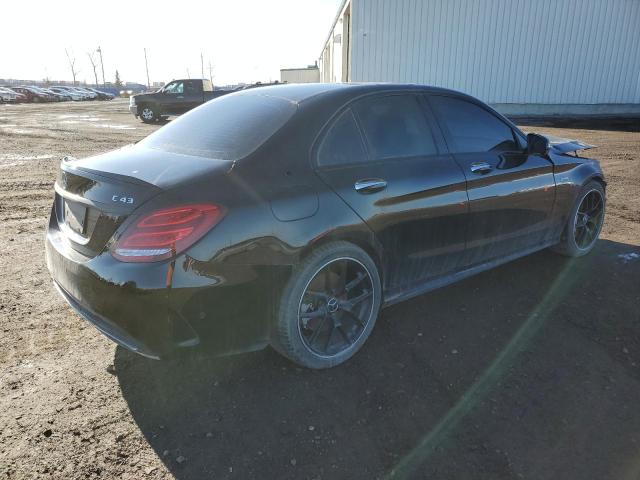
<point x="175" y="98"/>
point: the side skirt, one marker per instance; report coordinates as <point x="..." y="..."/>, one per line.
<point x="443" y="281"/>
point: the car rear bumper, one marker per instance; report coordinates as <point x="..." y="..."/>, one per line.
<point x="129" y="303"/>
<point x="107" y="327"/>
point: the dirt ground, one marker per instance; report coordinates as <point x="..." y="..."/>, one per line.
<point x="529" y="371"/>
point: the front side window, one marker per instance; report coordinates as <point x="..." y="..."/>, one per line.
<point x="395" y="126"/>
<point x="342" y="145"/>
<point x="175" y="88"/>
<point x="472" y="128"/>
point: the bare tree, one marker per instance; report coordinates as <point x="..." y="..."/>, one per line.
<point x="94" y="64"/>
<point x="72" y="65"/>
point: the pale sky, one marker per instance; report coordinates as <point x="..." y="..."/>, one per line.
<point x="245" y="40"/>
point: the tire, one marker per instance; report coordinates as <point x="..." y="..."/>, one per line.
<point x="148" y="114"/>
<point x="338" y="315"/>
<point x="583" y="228"/>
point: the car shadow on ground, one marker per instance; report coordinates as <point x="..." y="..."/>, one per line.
<point x="525" y="371"/>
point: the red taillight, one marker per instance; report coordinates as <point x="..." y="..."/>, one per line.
<point x="166" y="232"/>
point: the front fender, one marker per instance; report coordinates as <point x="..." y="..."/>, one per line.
<point x="571" y="174"/>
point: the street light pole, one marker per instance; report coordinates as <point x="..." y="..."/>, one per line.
<point x="147" y="67"/>
<point x="104" y="83"/>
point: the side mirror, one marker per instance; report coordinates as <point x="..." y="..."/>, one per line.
<point x="537" y="145"/>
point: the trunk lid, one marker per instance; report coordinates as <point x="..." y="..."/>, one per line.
<point x="96" y="194"/>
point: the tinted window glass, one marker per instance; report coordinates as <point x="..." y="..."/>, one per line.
<point x="343" y="143"/>
<point x="227" y="128"/>
<point x="472" y="128"/>
<point x="174" y="88"/>
<point x="191" y="87"/>
<point x="395" y="126"/>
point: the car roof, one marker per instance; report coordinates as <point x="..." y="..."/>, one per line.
<point x="301" y="92"/>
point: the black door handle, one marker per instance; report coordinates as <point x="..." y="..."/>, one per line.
<point x="370" y="185"/>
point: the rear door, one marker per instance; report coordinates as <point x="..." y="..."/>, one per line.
<point x="192" y="95"/>
<point x="383" y="156"/>
<point x="511" y="193"/>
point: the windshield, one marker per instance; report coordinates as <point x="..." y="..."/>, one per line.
<point x="227" y="128"/>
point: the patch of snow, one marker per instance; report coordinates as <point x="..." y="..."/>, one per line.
<point x="115" y="127"/>
<point x="19" y="131"/>
<point x="12" y="164"/>
<point x="629" y="257"/>
<point x="14" y="156"/>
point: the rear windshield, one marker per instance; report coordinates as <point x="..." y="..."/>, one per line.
<point x="227" y="128"/>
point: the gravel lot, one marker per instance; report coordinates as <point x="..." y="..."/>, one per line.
<point x="531" y="370"/>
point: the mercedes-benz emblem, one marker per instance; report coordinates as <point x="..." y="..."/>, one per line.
<point x="332" y="304"/>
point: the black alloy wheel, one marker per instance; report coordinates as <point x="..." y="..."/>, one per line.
<point x="328" y="307"/>
<point x="336" y="306"/>
<point x="588" y="219"/>
<point x="584" y="222"/>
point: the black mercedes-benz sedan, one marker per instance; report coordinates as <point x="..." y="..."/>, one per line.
<point x="289" y="215"/>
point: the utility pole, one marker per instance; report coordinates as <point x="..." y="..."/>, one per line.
<point x="210" y="73"/>
<point x="147" y="67"/>
<point x="104" y="83"/>
<point x="201" y="66"/>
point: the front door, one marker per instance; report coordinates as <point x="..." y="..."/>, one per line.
<point x="385" y="159"/>
<point x="511" y="193"/>
<point x="173" y="101"/>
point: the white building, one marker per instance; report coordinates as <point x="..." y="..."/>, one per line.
<point x="522" y="56"/>
<point x="309" y="74"/>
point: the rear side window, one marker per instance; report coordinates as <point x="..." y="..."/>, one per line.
<point x="395" y="126"/>
<point x="227" y="128"/>
<point x="191" y="87"/>
<point x="472" y="128"/>
<point x="342" y="144"/>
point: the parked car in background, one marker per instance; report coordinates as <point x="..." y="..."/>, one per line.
<point x="321" y="203"/>
<point x="89" y="94"/>
<point x="9" y="95"/>
<point x="26" y="93"/>
<point x="102" y="95"/>
<point x="21" y="98"/>
<point x="79" y="93"/>
<point x="65" y="91"/>
<point x="53" y="96"/>
<point x="175" y="98"/>
<point x="58" y="96"/>
<point x="39" y="95"/>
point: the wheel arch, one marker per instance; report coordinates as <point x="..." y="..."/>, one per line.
<point x="361" y="239"/>
<point x="598" y="178"/>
